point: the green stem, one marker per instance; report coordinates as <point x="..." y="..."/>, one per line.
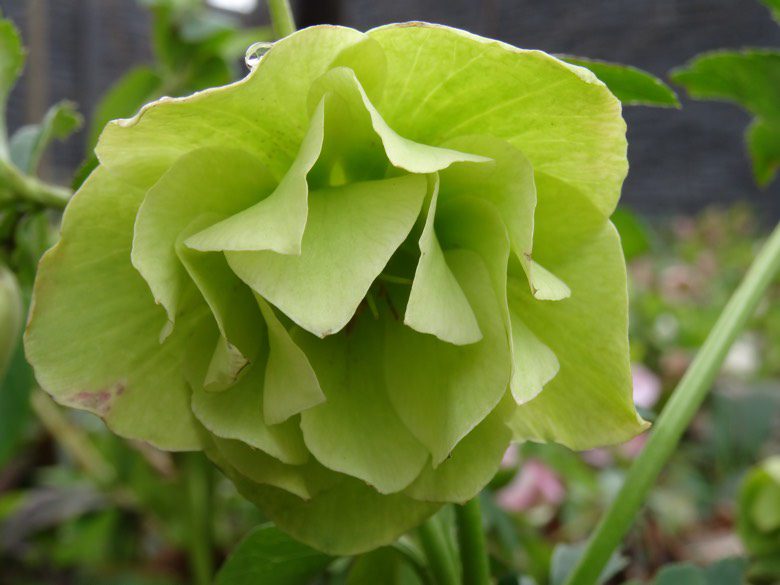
<point x="471" y="538"/>
<point x="197" y="479"/>
<point x="17" y="185"/>
<point x="434" y="545"/>
<point x="281" y="17"/>
<point x="677" y="414"/>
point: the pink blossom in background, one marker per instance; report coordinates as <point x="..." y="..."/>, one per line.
<point x="631" y="449"/>
<point x="599" y="457"/>
<point x="647" y="386"/>
<point x="647" y="391"/>
<point x="511" y="457"/>
<point x="533" y="485"/>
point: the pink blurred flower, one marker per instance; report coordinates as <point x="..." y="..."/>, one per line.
<point x="599" y="457"/>
<point x="534" y="484"/>
<point x="647" y="386"/>
<point x="679" y="283"/>
<point x="511" y="457"/>
<point x="631" y="449"/>
<point x="647" y="390"/>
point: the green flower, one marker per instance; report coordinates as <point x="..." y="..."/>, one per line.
<point x="353" y="277"/>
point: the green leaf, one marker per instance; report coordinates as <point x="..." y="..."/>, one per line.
<point x="763" y="140"/>
<point x="351" y="233"/>
<point x="634" y="235"/>
<point x="442" y="78"/>
<point x="631" y="85"/>
<point x="683" y="573"/>
<point x="11" y="63"/>
<point x="29" y="142"/>
<point x="442" y="391"/>
<point x="271" y="557"/>
<point x="750" y="78"/>
<point x="774" y="8"/>
<point x="92" y="336"/>
<point x="589" y="402"/>
<point x="355" y="430"/>
<point x="123" y="99"/>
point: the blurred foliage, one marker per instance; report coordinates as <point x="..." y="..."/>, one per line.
<point x="759" y="520"/>
<point x="194" y="46"/>
<point x="751" y="79"/>
<point x="632" y="86"/>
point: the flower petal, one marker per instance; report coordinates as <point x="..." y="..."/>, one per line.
<point x="442" y="391"/>
<point x="589" y="402"/>
<point x="472" y="464"/>
<point x="237" y="413"/>
<point x="218" y="181"/>
<point x="265" y="114"/>
<point x="437" y="303"/>
<point x="92" y="336"/>
<point x="356" y="431"/>
<point x="335" y="520"/>
<point x="563" y="119"/>
<point x="291" y="385"/>
<point x="352" y="232"/>
<point x="277" y="222"/>
<point x="403" y="153"/>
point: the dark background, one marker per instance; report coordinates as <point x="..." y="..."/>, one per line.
<point x="681" y="161"/>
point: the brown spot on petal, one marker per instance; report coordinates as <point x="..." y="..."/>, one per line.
<point x="99" y="401"/>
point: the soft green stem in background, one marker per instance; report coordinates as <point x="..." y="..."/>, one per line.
<point x="677" y="414"/>
<point x="197" y="481"/>
<point x="281" y="17"/>
<point x="471" y="540"/>
<point x="18" y="186"/>
<point x="434" y="544"/>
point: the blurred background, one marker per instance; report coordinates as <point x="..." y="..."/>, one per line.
<point x="681" y="161"/>
<point x="81" y="506"/>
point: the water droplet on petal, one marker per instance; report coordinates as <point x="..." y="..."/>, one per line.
<point x="255" y="52"/>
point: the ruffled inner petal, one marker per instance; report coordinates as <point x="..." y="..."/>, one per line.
<point x="217" y="181"/>
<point x="352" y="232"/>
<point x="440" y="390"/>
<point x="437" y="304"/>
<point x="356" y="431"/>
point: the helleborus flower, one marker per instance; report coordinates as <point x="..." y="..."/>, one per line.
<point x="353" y="277"/>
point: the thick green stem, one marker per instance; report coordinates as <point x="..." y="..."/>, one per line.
<point x="437" y="552"/>
<point x="197" y="480"/>
<point x="471" y="539"/>
<point x="281" y="17"/>
<point x="677" y="414"/>
<point x="16" y="185"/>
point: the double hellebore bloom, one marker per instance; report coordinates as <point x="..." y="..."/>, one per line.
<point x="353" y="277"/>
